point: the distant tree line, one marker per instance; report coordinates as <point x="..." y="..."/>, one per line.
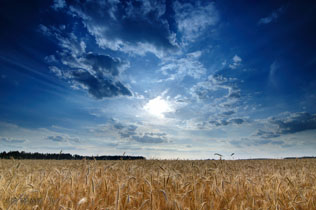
<point x="63" y="156"/>
<point x="304" y="157"/>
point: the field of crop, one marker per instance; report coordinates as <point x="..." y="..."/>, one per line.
<point x="158" y="184"/>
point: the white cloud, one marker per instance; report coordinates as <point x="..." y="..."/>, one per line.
<point x="130" y="29"/>
<point x="195" y="54"/>
<point x="236" y="62"/>
<point x="237" y="59"/>
<point x="218" y="100"/>
<point x="207" y="89"/>
<point x="177" y="68"/>
<point x="59" y="4"/>
<point x="58" y="72"/>
<point x="193" y="19"/>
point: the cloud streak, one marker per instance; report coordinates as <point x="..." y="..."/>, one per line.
<point x="246" y="142"/>
<point x="193" y="18"/>
<point x="6" y="140"/>
<point x="64" y="138"/>
<point x="272" y="17"/>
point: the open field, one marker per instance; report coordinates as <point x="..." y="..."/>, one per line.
<point x="158" y="184"/>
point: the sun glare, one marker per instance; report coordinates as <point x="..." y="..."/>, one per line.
<point x="157" y="107"/>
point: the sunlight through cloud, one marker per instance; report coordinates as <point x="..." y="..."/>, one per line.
<point x="157" y="107"/>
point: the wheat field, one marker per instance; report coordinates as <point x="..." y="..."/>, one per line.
<point x="158" y="184"/>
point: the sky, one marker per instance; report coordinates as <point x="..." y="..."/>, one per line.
<point x="161" y="79"/>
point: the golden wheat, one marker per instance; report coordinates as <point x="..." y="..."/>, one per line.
<point x="158" y="184"/>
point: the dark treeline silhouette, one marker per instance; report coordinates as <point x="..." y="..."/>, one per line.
<point x="304" y="157"/>
<point x="63" y="156"/>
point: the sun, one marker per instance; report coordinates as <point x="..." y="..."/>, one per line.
<point x="157" y="107"/>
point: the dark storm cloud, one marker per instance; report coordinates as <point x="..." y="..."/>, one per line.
<point x="118" y="126"/>
<point x="100" y="76"/>
<point x="97" y="73"/>
<point x="228" y="113"/>
<point x="124" y="25"/>
<point x="295" y="122"/>
<point x="148" y="139"/>
<point x="103" y="63"/>
<point x="58" y="138"/>
<point x="224" y="122"/>
<point x="290" y="124"/>
<point x="124" y="131"/>
<point x="237" y="121"/>
<point x="266" y="134"/>
<point x="100" y="87"/>
<point x="128" y="131"/>
<point x="134" y="133"/>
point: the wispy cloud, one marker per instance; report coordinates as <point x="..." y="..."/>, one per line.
<point x="246" y="142"/>
<point x="59" y="4"/>
<point x="6" y="140"/>
<point x="63" y="138"/>
<point x="236" y="61"/>
<point x="217" y="86"/>
<point x="176" y="68"/>
<point x="193" y="18"/>
<point x="128" y="132"/>
<point x="271" y="17"/>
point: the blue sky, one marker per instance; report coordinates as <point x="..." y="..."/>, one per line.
<point x="162" y="79"/>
